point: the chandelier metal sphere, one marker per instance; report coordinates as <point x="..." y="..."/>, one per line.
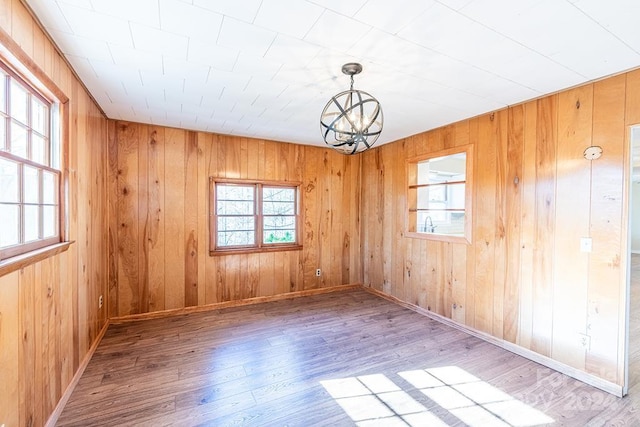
<point x="352" y="120"/>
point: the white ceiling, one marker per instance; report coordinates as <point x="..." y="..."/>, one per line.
<point x="266" y="68"/>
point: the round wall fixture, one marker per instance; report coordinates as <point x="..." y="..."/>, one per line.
<point x="592" y="153"/>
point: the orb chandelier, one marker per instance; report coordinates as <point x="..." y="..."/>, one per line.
<point x="352" y="120"/>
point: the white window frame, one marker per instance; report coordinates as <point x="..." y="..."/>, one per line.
<point x="45" y="92"/>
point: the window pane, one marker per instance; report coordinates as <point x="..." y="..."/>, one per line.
<point x="238" y="238"/>
<point x="278" y="194"/>
<point x="3" y="133"/>
<point x="278" y="208"/>
<point x="31" y="185"/>
<point x="275" y="222"/>
<point x="279" y="229"/>
<point x="234" y="192"/>
<point x="19" y="99"/>
<point x="49" y="221"/>
<point x="38" y="149"/>
<point x="31" y="223"/>
<point x="278" y="201"/>
<point x="39" y="116"/>
<point x="8" y="181"/>
<point x="9" y="225"/>
<point x="280" y="236"/>
<point x="440" y="222"/>
<point x="49" y="188"/>
<point x="236" y="231"/>
<point x="236" y="223"/>
<point x="18" y="140"/>
<point x="235" y="208"/>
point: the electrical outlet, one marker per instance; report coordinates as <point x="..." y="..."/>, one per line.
<point x="100" y="301"/>
<point x="318" y="272"/>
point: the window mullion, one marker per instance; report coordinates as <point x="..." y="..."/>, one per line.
<point x="7" y="109"/>
<point x="258" y="212"/>
<point x="40" y="205"/>
<point x="21" y="212"/>
<point x="29" y="131"/>
<point x="5" y="143"/>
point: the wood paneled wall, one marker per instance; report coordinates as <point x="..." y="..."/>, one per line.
<point x="49" y="315"/>
<point x="158" y="237"/>
<point x="523" y="278"/>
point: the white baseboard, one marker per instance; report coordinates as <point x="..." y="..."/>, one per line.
<point x="583" y="376"/>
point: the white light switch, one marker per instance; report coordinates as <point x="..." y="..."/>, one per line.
<point x="585" y="244"/>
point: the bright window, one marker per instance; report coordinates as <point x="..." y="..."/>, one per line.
<point x="254" y="216"/>
<point x="29" y="169"/>
<point x="439" y="195"/>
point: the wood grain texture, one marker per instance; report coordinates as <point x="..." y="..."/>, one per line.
<point x="545" y="203"/>
<point x="527" y="235"/>
<point x="530" y="289"/>
<point x="163" y="194"/>
<point x="523" y="278"/>
<point x="485" y="222"/>
<point x="49" y="306"/>
<point x="513" y="220"/>
<point x="10" y="344"/>
<point x="605" y="266"/>
<point x="575" y="111"/>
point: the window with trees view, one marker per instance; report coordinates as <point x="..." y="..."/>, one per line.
<point x="254" y="216"/>
<point x="29" y="168"/>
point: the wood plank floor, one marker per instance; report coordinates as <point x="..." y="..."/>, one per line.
<point x="340" y="359"/>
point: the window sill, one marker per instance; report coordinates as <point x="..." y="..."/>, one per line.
<point x="20" y="261"/>
<point x="439" y="237"/>
<point x="240" y="251"/>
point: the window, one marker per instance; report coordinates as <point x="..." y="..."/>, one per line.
<point x="29" y="168"/>
<point x="439" y="195"/>
<point x="250" y="216"/>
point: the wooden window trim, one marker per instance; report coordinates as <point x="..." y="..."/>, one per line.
<point x="259" y="246"/>
<point x="468" y="211"/>
<point x="21" y="261"/>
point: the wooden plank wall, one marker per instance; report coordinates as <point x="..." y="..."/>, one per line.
<point x="49" y="315"/>
<point x="523" y="278"/>
<point x="158" y="232"/>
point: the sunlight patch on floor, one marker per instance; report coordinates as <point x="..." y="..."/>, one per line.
<point x="376" y="400"/>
